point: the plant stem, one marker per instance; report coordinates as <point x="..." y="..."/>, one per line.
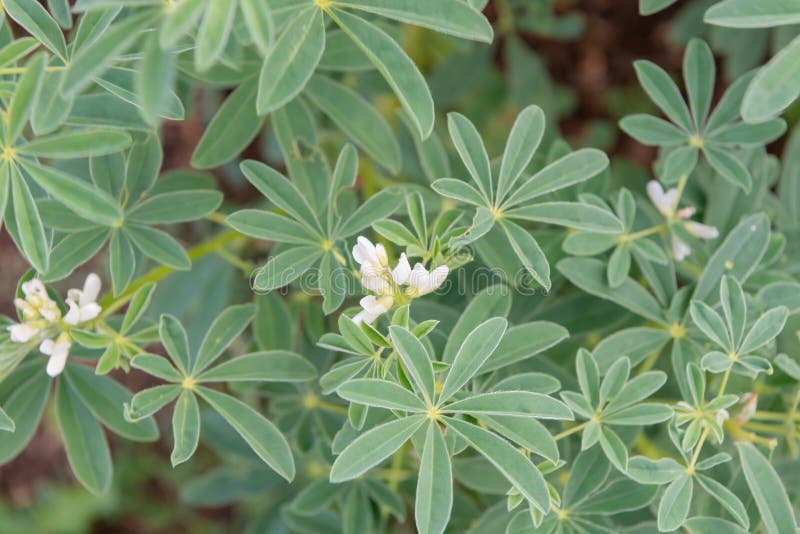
<point x="570" y="431"/>
<point x="110" y="305"/>
<point x="646" y="232"/>
<point x="21" y="70"/>
<point x="707" y="429"/>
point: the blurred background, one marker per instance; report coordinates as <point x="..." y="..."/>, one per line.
<point x="572" y="58"/>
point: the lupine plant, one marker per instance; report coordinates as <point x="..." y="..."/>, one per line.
<point x="383" y="290"/>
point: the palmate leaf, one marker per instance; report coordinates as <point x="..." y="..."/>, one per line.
<point x="395" y="66"/>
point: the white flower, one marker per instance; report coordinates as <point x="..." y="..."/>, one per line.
<point x="365" y="253"/>
<point x="23" y="332"/>
<point x="38" y="312"/>
<point x="402" y="272"/>
<point x="664" y="201"/>
<point x="372" y="308"/>
<point x="423" y="282"/>
<point x="702" y="231"/>
<point x="375" y="281"/>
<point x="83" y="303"/>
<point x="680" y="249"/>
<point x="58" y="351"/>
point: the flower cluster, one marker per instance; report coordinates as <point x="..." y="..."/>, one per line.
<point x="667" y="203"/>
<point x="41" y="318"/>
<point x="390" y="284"/>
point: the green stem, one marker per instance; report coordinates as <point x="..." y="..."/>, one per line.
<point x="110" y="305"/>
<point x="570" y="431"/>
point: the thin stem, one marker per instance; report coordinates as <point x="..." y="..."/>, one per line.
<point x="208" y="247"/>
<point x="570" y="431"/>
<point x="646" y="232"/>
<point x="707" y="429"/>
<point x="21" y="70"/>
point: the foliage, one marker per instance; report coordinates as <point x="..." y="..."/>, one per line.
<point x="464" y="324"/>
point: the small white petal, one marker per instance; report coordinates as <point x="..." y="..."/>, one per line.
<point x="91" y="289"/>
<point x="34" y="287"/>
<point x="680" y="249"/>
<point x="703" y="231"/>
<point x="90" y="311"/>
<point x="380" y="254"/>
<point x="663" y="200"/>
<point x="47" y="346"/>
<point x="22" y="333"/>
<point x="401" y="273"/>
<point x="73" y="316"/>
<point x="364" y="252"/>
<point x="58" y="359"/>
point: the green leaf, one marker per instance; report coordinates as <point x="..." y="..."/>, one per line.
<point x="87" y="449"/>
<point x="173" y="337"/>
<point x="474" y="351"/>
<point x="767" y="490"/>
<point x="445" y="16"/>
<point x="460" y="190"/>
<point x="674" y="506"/>
<point x="514" y="466"/>
<point x="527" y="433"/>
<point x="6" y="423"/>
<point x="434" y="497"/>
<point x="86" y="201"/>
<point x="158" y="366"/>
<point x="636" y="390"/>
<point x="729" y="167"/>
<point x="104" y="397"/>
<point x="24" y="396"/>
<point x="395" y="66"/>
<point x="524" y="341"/>
<point x="734" y="306"/>
<point x="77" y="144"/>
<point x="766" y="328"/>
<point x="158" y="245"/>
<point x="286" y="267"/>
<point x="180" y="206"/>
<point x="233" y="127"/>
<point x="702" y="525"/>
<point x="472" y="151"/>
<point x="148" y="401"/>
<point x="155" y="80"/>
<point x="529" y="252"/>
<point x="258" y="17"/>
<point x="647" y="413"/>
<point x="746" y="14"/>
<point x="571" y="169"/>
<point x="374" y="446"/>
<point x="492" y="301"/>
<point x="726" y="498"/>
<point x="178" y="21"/>
<point x="699" y="72"/>
<point x="223" y="331"/>
<point x="619" y="496"/>
<point x="122" y="261"/>
<point x="380" y="393"/>
<point x="32" y="239"/>
<point x="266" y="366"/>
<point x="657" y="472"/>
<point x="357" y="118"/>
<point x="21" y="105"/>
<point x="213" y="34"/>
<point x="619" y="265"/>
<point x="291" y="60"/>
<point x="737" y="256"/>
<point x="710" y="323"/>
<point x="93" y="59"/>
<point x="185" y="427"/>
<point x="263" y="437"/>
<point x="652" y="131"/>
<point x="263" y="224"/>
<point x="664" y="93"/>
<point x="281" y="192"/>
<point x="590" y="276"/>
<point x="377" y="207"/>
<point x="416" y="361"/>
<point x="614" y="448"/>
<point x="524" y="139"/>
<point x="32" y="16"/>
<point x="570" y="214"/>
<point x="511" y="403"/>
